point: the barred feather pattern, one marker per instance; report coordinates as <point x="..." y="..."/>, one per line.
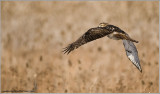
<point x="90" y="35"/>
<point x="112" y="32"/>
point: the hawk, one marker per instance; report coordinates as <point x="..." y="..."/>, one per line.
<point x="112" y="32"/>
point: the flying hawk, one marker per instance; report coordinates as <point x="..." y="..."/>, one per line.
<point x="113" y="32"/>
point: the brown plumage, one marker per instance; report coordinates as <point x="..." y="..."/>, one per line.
<point x="90" y="35"/>
<point x="104" y="29"/>
<point x="113" y="32"/>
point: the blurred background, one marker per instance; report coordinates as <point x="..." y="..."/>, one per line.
<point x="34" y="33"/>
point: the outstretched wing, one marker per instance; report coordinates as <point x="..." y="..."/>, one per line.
<point x="132" y="53"/>
<point x="90" y="35"/>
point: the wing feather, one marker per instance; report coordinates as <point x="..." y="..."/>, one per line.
<point x="90" y="35"/>
<point x="132" y="53"/>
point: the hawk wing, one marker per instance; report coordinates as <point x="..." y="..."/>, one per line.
<point x="132" y="53"/>
<point x="90" y="35"/>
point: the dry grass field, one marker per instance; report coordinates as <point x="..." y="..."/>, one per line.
<point x="34" y="33"/>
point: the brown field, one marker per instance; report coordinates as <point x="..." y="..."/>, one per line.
<point x="34" y="33"/>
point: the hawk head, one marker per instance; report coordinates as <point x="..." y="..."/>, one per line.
<point x="103" y="24"/>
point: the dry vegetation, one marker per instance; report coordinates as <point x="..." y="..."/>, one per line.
<point x="34" y="33"/>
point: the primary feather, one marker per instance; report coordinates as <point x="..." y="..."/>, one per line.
<point x="132" y="53"/>
<point x="112" y="32"/>
<point x="90" y="35"/>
